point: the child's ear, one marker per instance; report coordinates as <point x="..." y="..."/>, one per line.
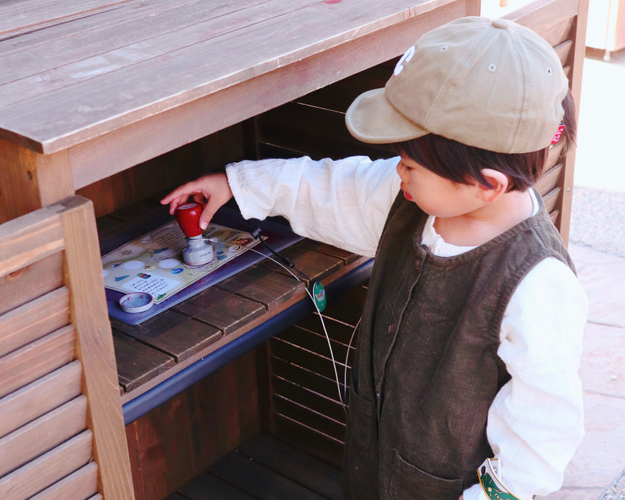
<point x="498" y="180"/>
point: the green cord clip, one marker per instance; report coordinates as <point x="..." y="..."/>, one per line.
<point x="490" y="480"/>
<point x="319" y="293"/>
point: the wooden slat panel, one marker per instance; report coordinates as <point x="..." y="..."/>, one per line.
<point x="172" y="333"/>
<point x="80" y="485"/>
<point x="302" y="396"/>
<point x="95" y="350"/>
<point x="221" y="309"/>
<point x="47" y="469"/>
<point x="30" y="14"/>
<point x="31" y="282"/>
<point x="29" y="239"/>
<point x="567" y="71"/>
<point x="348" y="307"/>
<point x="316" y="266"/>
<point x="305" y="359"/>
<point x="549" y="180"/>
<point x="311" y="441"/>
<point x="42" y="434"/>
<point x="138" y="363"/>
<point x="542" y="15"/>
<point x="347" y="256"/>
<point x="310" y="418"/>
<point x="563" y="50"/>
<point x="551" y="198"/>
<point x="558" y="33"/>
<point x="554" y="216"/>
<point x="40" y="397"/>
<point x="211" y="67"/>
<point x="264" y="286"/>
<point x="554" y="156"/>
<point x="337" y="330"/>
<point x="209" y="487"/>
<point x="315" y="342"/>
<point x="33" y="320"/>
<point x="27" y="364"/>
<point x="259" y="481"/>
<point x="310" y="380"/>
<point x="319" y="477"/>
<point x="97" y="496"/>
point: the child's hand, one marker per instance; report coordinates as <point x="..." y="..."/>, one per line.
<point x="213" y="190"/>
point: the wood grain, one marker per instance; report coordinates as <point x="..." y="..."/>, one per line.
<point x="315" y="266"/>
<point x="30" y="180"/>
<point x="47" y="469"/>
<point x="549" y="179"/>
<point x="80" y="484"/>
<point x="94" y="345"/>
<point x="138" y="363"/>
<point x="40" y="397"/>
<point x="43" y="434"/>
<point x="172" y="333"/>
<point x="33" y="320"/>
<point x="262" y="285"/>
<point x="209" y="487"/>
<point x="221" y="309"/>
<point x="35" y="360"/>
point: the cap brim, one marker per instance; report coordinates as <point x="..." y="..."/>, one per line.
<point x="372" y="118"/>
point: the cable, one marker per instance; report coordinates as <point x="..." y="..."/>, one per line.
<point x="334" y="363"/>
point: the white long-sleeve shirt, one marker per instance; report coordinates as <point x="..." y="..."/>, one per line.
<point x="535" y="422"/>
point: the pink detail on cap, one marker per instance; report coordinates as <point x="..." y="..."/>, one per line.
<point x="556" y="137"/>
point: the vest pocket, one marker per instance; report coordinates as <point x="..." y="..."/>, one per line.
<point x="361" y="418"/>
<point x="411" y="483"/>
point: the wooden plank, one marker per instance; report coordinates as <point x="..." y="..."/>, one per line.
<point x="309" y="440"/>
<point x="315" y="342"/>
<point x="315" y="475"/>
<point x="542" y="15"/>
<point x="306" y="378"/>
<point x="30" y="239"/>
<point x="137" y="363"/>
<point x="35" y="360"/>
<point x="259" y="481"/>
<point x="47" y="469"/>
<point x="80" y="485"/>
<point x="302" y="396"/>
<point x="172" y="333"/>
<point x="261" y="285"/>
<point x="310" y="418"/>
<point x="554" y="156"/>
<point x="33" y="320"/>
<point x="95" y="347"/>
<point x="34" y="181"/>
<point x="221" y="309"/>
<point x="348" y="307"/>
<point x="308" y="360"/>
<point x="315" y="266"/>
<point x="40" y="397"/>
<point x="347" y="256"/>
<point x="549" y="179"/>
<point x="558" y="33"/>
<point x="551" y="198"/>
<point x="337" y="330"/>
<point x="30" y="14"/>
<point x="564" y="50"/>
<point x="43" y="434"/>
<point x="31" y="282"/>
<point x="212" y="71"/>
<point x="554" y="216"/>
<point x="209" y="487"/>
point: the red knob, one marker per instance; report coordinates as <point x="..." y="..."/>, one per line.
<point x="188" y="217"/>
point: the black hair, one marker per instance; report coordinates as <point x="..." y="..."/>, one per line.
<point x="462" y="164"/>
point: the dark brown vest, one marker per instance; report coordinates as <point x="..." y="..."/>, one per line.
<point x="426" y="368"/>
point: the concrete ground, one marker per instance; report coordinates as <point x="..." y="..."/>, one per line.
<point x="597" y="471"/>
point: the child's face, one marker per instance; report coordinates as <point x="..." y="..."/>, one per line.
<point x="434" y="194"/>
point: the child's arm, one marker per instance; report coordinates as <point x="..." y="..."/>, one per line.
<point x="536" y="420"/>
<point x="344" y="203"/>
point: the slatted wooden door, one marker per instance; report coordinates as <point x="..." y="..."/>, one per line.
<point x="563" y="24"/>
<point x="61" y="426"/>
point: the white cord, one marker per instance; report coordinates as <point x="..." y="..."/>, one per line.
<point x="334" y="363"/>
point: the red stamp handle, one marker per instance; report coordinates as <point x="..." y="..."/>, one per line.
<point x="188" y="217"/>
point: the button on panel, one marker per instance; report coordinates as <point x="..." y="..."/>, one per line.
<point x="391" y="329"/>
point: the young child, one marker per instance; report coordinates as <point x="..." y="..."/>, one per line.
<point x="470" y="339"/>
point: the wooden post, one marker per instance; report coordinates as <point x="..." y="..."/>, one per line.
<point x="581" y="22"/>
<point x="94" y="348"/>
<point x="29" y="180"/>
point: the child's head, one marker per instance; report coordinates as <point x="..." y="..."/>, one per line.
<point x="473" y="94"/>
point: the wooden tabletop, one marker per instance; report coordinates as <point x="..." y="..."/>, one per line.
<point x="74" y="71"/>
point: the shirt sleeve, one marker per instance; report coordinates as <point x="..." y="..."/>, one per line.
<point x="535" y="422"/>
<point x="344" y="203"/>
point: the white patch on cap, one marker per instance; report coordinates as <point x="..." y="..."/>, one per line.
<point x="549" y="71"/>
<point x="492" y="68"/>
<point x="444" y="48"/>
<point x="399" y="67"/>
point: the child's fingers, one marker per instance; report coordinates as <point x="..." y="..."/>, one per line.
<point x="209" y="211"/>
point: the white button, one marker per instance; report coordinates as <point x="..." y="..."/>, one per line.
<point x="502" y="24"/>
